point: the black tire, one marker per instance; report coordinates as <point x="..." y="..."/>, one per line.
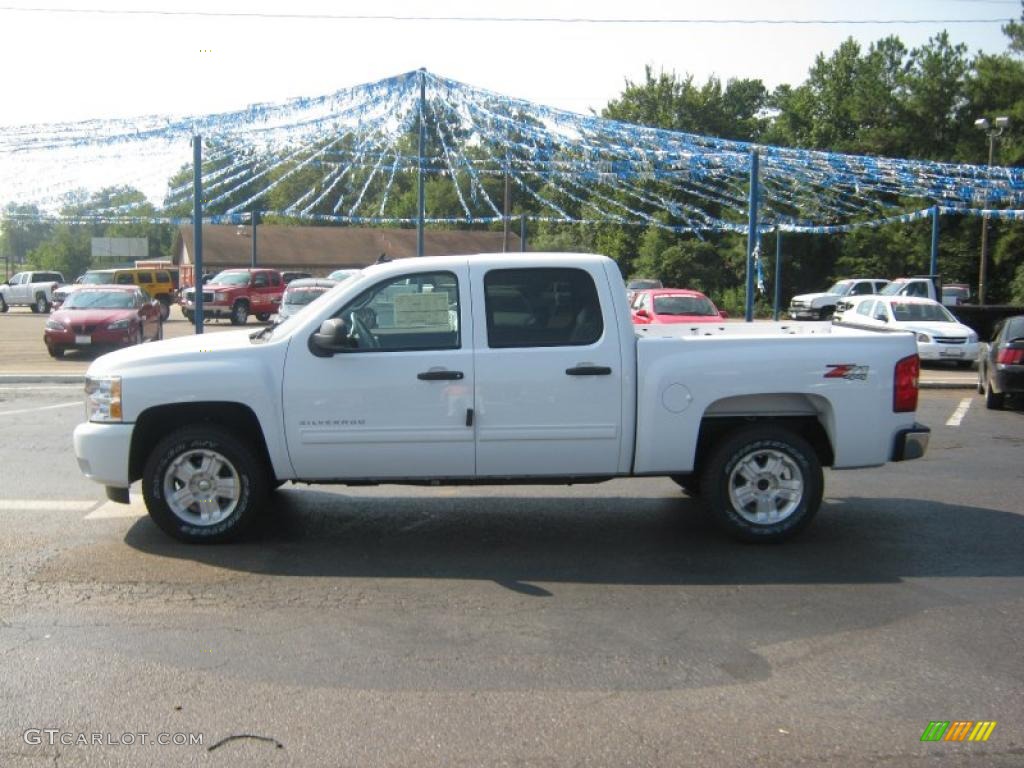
<point x="826" y="313"/>
<point x="235" y="461"/>
<point x="55" y="352"/>
<point x="993" y="401"/>
<point x="689" y="483"/>
<point x="165" y="308"/>
<point x="771" y="456"/>
<point x="42" y="306"/>
<point x="189" y="314"/>
<point x="239" y="313"/>
<point x="263" y="316"/>
<point x="3" y="304"/>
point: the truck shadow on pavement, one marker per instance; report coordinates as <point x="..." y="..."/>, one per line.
<point x="515" y="541"/>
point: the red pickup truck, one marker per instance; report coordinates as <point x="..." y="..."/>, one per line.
<point x="236" y="294"/>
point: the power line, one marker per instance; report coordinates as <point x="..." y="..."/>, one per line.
<point x="493" y="19"/>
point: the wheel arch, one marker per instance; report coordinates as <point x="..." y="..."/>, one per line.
<point x="155" y="423"/>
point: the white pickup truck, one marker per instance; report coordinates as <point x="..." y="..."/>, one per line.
<point x="501" y="369"/>
<point x="30" y="289"/>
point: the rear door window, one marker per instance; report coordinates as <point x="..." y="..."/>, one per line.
<point x="541" y="307"/>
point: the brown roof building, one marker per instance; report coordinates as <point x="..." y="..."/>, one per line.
<point x="320" y="250"/>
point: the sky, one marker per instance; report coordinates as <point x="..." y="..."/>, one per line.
<point x="99" y="63"/>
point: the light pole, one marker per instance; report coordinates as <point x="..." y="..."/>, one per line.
<point x="982" y="124"/>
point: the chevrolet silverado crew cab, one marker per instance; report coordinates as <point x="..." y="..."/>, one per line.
<point x="30" y="289"/>
<point x="821" y="306"/>
<point x="496" y="369"/>
<point x="236" y="294"/>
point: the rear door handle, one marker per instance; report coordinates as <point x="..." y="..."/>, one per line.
<point x="440" y="375"/>
<point x="589" y="370"/>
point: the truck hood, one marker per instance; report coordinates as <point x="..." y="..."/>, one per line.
<point x="809" y="298"/>
<point x="168" y="352"/>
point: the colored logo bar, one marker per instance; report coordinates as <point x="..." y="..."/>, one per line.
<point x="958" y="730"/>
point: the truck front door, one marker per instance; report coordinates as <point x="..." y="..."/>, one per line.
<point x="549" y="373"/>
<point x="399" y="402"/>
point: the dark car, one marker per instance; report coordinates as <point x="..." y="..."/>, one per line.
<point x="103" y="316"/>
<point x="1001" y="362"/>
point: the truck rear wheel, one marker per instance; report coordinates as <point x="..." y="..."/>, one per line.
<point x="203" y="485"/>
<point x="763" y="484"/>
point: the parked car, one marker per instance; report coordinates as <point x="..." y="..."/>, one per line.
<point x="157" y="284"/>
<point x="299" y="293"/>
<point x="287" y="277"/>
<point x="103" y="316"/>
<point x="821" y="306"/>
<point x="454" y="384"/>
<point x="343" y="274"/>
<point x="940" y="336"/>
<point x="954" y="294"/>
<point x="30" y="289"/>
<point x="673" y="305"/>
<point x="1001" y="363"/>
<point x="236" y="294"/>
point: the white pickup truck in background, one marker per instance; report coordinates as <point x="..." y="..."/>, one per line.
<point x="30" y="289"/>
<point x="497" y="369"/>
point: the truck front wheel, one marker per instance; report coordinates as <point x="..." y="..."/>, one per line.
<point x="763" y="484"/>
<point x="239" y="313"/>
<point x="201" y="484"/>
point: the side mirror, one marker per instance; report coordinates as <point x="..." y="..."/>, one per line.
<point x="331" y="338"/>
<point x="644" y="314"/>
<point x="723" y="314"/>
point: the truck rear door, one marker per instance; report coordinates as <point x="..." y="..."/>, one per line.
<point x="549" y="372"/>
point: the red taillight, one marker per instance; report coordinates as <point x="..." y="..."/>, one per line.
<point x="1010" y="357"/>
<point x="904" y="384"/>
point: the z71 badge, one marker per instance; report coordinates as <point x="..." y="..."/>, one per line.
<point x="847" y="371"/>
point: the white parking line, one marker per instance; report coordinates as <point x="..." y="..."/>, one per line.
<point x="959" y="413"/>
<point x="113" y="510"/>
<point x="46" y="505"/>
<point x="42" y="408"/>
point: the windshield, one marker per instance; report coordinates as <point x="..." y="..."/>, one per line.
<point x="684" y="305"/>
<point x="343" y="274"/>
<point x="300" y="296"/>
<point x="231" y="278"/>
<point x="97" y="278"/>
<point x="915" y="313"/>
<point x="100" y="300"/>
<point x="892" y="288"/>
<point x="840" y="288"/>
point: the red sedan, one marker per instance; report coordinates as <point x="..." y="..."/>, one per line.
<point x="104" y="316"/>
<point x="674" y="305"/>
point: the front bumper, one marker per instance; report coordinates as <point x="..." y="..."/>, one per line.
<point x="935" y="351"/>
<point x="102" y="451"/>
<point x="911" y="443"/>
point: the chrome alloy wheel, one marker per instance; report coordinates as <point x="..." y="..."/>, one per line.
<point x="766" y="487"/>
<point x="201" y="487"/>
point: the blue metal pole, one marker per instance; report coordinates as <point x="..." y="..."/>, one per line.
<point x="778" y="274"/>
<point x="934" y="266"/>
<point x="422" y="206"/>
<point x="197" y="228"/>
<point x="752" y="233"/>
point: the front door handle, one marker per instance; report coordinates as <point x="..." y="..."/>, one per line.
<point x="440" y="375"/>
<point x="589" y="370"/>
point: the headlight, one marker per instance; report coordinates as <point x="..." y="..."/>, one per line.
<point x="53" y="325"/>
<point x="119" y="325"/>
<point x="972" y="338"/>
<point x="103" y="398"/>
<point x="220" y="297"/>
<point x="924" y="338"/>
